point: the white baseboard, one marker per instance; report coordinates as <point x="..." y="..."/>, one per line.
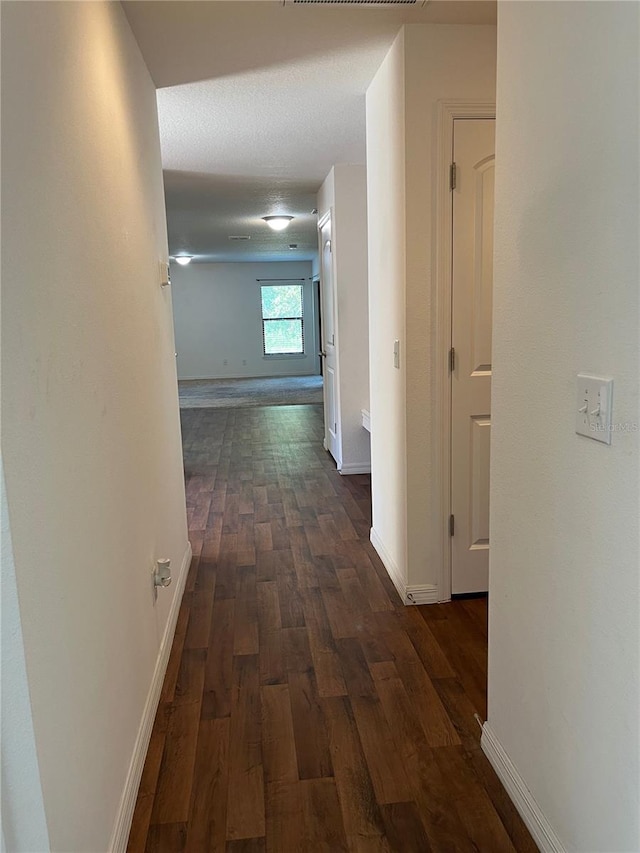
<point x="124" y="817"/>
<point x="248" y="376"/>
<point x="355" y="468"/>
<point x="425" y="593"/>
<point x="410" y="594"/>
<point x="387" y="560"/>
<point x="521" y="796"/>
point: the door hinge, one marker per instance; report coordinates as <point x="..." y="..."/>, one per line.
<point x="452" y="359"/>
<point x="453" y="174"/>
<point x="452" y="525"/>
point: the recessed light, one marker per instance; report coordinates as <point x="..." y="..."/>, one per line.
<point x="278" y="223"/>
<point x="183" y="260"/>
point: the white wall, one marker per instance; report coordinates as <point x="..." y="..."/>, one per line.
<point x="345" y="192"/>
<point x="218" y="318"/>
<point x="386" y="247"/>
<point x="24" y="824"/>
<point x="564" y="619"/>
<point x="427" y="63"/>
<point x="90" y="433"/>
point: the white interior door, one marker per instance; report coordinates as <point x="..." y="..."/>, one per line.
<point x="472" y="286"/>
<point x="328" y="351"/>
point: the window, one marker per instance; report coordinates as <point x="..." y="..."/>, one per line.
<point x="282" y="326"/>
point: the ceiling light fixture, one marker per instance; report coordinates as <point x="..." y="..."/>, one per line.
<point x="278" y="223"/>
<point x="183" y="260"/>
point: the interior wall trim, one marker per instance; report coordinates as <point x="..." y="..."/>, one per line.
<point x="522" y="798"/>
<point x="355" y="468"/>
<point x="387" y="561"/>
<point x="122" y="827"/>
<point x="426" y="593"/>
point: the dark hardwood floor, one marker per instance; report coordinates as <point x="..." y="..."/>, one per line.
<point x="304" y="708"/>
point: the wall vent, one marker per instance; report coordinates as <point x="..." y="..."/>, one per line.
<point x="239" y="237"/>
<point x="354" y="2"/>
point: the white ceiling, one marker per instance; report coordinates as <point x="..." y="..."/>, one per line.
<point x="257" y="100"/>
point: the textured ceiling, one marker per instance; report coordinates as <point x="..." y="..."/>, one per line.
<point x="256" y="102"/>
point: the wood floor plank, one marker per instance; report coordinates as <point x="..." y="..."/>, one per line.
<point x="269" y="618"/>
<point x="263" y="538"/>
<point x="245" y="794"/>
<point x="360" y="812"/>
<point x="245" y="635"/>
<point x="386" y="768"/>
<point x="304" y="708"/>
<point x="216" y="701"/>
<point x="247" y="845"/>
<point x="272" y="658"/>
<point x="285" y="817"/>
<point x="291" y="609"/>
<point x="278" y="739"/>
<point x="297" y="650"/>
<point x="173" y="667"/>
<point x="435" y="720"/>
<point x="173" y="792"/>
<point x="473" y="804"/>
<point x="312" y="743"/>
<point x="208" y="812"/>
<point x="404" y="829"/>
<point x="326" y="663"/>
<point x="321" y="815"/>
<point x="167" y="838"/>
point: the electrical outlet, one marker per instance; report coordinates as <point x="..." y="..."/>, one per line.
<point x="165" y="274"/>
<point x="244" y="362"/>
<point x="226" y="362"/>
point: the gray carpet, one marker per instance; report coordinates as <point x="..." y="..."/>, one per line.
<point x="241" y="393"/>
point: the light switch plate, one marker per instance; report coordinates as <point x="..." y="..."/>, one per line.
<point x="594" y="407"/>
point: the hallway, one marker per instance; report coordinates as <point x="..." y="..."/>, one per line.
<point x="304" y="708"/>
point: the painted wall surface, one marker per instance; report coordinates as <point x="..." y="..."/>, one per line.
<point x="345" y="191"/>
<point x="564" y="621"/>
<point x="441" y="62"/>
<point x="24" y="825"/>
<point x="427" y="63"/>
<point x="90" y="433"/>
<point x="218" y="318"/>
<point x="386" y="247"/>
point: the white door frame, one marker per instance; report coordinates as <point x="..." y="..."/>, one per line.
<point x="327" y="216"/>
<point x="448" y="112"/>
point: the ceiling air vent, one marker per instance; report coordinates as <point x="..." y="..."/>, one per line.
<point x="239" y="238"/>
<point x="354" y="2"/>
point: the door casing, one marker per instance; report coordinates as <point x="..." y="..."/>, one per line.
<point x="336" y="451"/>
<point x="448" y="112"/>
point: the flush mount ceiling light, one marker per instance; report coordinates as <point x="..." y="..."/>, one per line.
<point x="183" y="260"/>
<point x="278" y="223"/>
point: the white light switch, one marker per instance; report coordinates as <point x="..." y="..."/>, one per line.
<point x="396" y="354"/>
<point x="594" y="399"/>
